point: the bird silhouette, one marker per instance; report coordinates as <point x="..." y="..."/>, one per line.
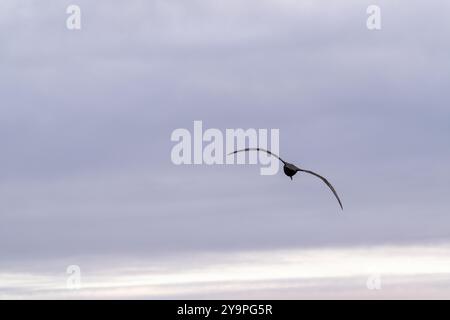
<point x="291" y="169"/>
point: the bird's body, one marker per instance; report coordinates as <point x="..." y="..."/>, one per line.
<point x="290" y="170"/>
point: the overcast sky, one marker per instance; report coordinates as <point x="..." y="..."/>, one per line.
<point x="86" y="117"/>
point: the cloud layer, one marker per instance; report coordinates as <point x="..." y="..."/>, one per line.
<point x="86" y="118"/>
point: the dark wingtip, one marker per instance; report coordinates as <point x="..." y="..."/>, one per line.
<point x="340" y="204"/>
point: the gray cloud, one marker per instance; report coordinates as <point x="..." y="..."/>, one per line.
<point x="86" y="117"/>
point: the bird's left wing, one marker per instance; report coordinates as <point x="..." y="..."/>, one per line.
<point x="259" y="149"/>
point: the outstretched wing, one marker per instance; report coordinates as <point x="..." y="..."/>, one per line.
<point x="327" y="183"/>
<point x="259" y="149"/>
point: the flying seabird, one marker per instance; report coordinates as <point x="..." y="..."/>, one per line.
<point x="290" y="170"/>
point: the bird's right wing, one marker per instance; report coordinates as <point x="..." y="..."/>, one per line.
<point x="327" y="183"/>
<point x="259" y="149"/>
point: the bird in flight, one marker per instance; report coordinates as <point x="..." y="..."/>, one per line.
<point x="290" y="170"/>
